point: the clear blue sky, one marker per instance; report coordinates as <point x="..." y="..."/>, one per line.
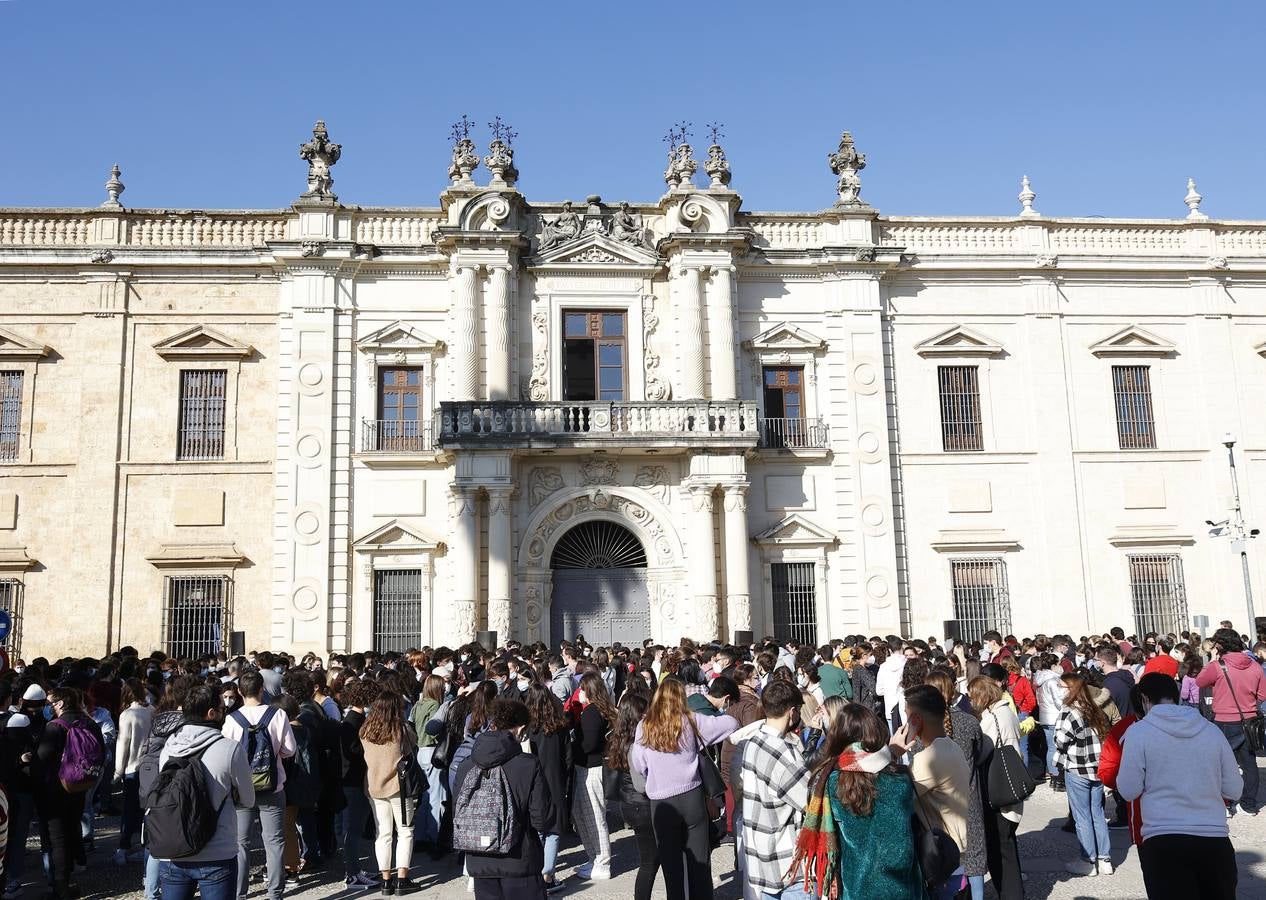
<point x="1108" y="106"/>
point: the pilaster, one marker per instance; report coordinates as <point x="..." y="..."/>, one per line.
<point x="721" y="319"/>
<point x="686" y="293"/>
<point x="702" y="623"/>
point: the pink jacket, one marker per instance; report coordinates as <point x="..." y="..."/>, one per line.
<point x="1246" y="678"/>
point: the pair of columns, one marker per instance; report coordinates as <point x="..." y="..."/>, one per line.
<point x="701" y="546"/>
<point x="696" y="303"/>
<point x="464" y="548"/>
<point x="465" y="346"/>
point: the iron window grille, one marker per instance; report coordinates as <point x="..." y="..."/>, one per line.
<point x="196" y="614"/>
<point x="960" y="407"/>
<point x="397" y="609"/>
<point x="795" y="602"/>
<point x="1158" y="592"/>
<point x="598" y="545"/>
<point x="982" y="600"/>
<point x="10" y="414"/>
<point x="1132" y="395"/>
<point x="201" y="434"/>
<point x="11" y="602"/>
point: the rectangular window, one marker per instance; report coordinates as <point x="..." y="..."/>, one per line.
<point x="783" y="391"/>
<point x="981" y="600"/>
<point x="595" y="358"/>
<point x="960" y="408"/>
<point x="10" y="414"/>
<point x="397" y="609"/>
<point x="1158" y="592"/>
<point x="400" y="425"/>
<point x="195" y="614"/>
<point x="1132" y="392"/>
<point x="795" y="602"/>
<point x="11" y="602"/>
<point x="201" y="414"/>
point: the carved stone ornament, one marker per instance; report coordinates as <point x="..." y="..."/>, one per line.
<point x="464" y="621"/>
<point x="1192" y="200"/>
<point x="653" y="480"/>
<point x="846" y="162"/>
<point x="1217" y="262"/>
<point x="717" y="167"/>
<point x="1026" y="198"/>
<point x="595" y="255"/>
<point x="864" y="254"/>
<point x="465" y="161"/>
<point x="312" y="248"/>
<point x="681" y="166"/>
<point x="321" y="154"/>
<point x="104" y="255"/>
<point x="626" y="226"/>
<point x="635" y="515"/>
<point x="500" y="162"/>
<point x="114" y="187"/>
<point x="543" y="481"/>
<point x="599" y="471"/>
<point x="558" y="229"/>
<point x="1046" y="260"/>
<point x="538" y="382"/>
<point x="657" y="386"/>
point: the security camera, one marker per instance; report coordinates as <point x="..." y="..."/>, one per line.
<point x="1254" y="532"/>
<point x="1218" y="531"/>
<point x="1228" y="440"/>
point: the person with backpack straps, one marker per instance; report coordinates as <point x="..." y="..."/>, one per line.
<point x="1238" y="686"/>
<point x="501" y="808"/>
<point x="191" y="824"/>
<point x="267" y="739"/>
<point x="70" y="761"/>
<point x="386" y="738"/>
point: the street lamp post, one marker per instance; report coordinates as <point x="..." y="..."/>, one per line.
<point x="1238" y="532"/>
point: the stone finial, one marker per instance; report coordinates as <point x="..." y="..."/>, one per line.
<point x="465" y="159"/>
<point x="114" y="187"/>
<point x="1026" y="198"/>
<point x="681" y="157"/>
<point x="500" y="158"/>
<point x="716" y="165"/>
<point x="1192" y="200"/>
<point x="320" y="153"/>
<point x="846" y="162"/>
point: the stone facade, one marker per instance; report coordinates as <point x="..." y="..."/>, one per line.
<point x="1031" y="514"/>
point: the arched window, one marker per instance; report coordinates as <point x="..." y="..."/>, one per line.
<point x="599" y="545"/>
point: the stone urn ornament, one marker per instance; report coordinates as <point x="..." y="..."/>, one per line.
<point x="846" y="162"/>
<point x="500" y="158"/>
<point x="465" y="159"/>
<point x="321" y="153"/>
<point x="716" y="165"/>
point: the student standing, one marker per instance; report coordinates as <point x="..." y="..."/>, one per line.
<point x="1079" y="735"/>
<point x="589" y="805"/>
<point x="385" y="738"/>
<point x="550" y="739"/>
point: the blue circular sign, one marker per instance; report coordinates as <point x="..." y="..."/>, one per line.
<point x="6" y="623"/>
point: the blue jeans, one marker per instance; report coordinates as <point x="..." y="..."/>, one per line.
<point x="151" y="876"/>
<point x="430" y="810"/>
<point x="1024" y="740"/>
<point x="977" y="885"/>
<point x="791" y="892"/>
<point x="1049" y="731"/>
<point x="1085" y="799"/>
<point x="550" y="844"/>
<point x="214" y="880"/>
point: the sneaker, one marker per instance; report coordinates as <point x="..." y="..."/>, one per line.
<point x="1248" y="810"/>
<point x="1119" y="823"/>
<point x="1104" y="866"/>
<point x="406" y="886"/>
<point x="601" y="874"/>
<point x="119" y="858"/>
<point x="1081" y="867"/>
<point x="584" y="871"/>
<point x="292" y="880"/>
<point x="553" y="887"/>
<point x="12" y="892"/>
<point x="363" y="878"/>
<point x="389" y="886"/>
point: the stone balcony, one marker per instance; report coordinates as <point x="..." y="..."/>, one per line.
<point x="679" y="424"/>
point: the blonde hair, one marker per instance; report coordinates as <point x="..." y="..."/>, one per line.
<point x="661" y="730"/>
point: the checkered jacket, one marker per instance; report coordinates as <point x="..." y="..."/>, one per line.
<point x="1077" y="745"/>
<point x="775" y="786"/>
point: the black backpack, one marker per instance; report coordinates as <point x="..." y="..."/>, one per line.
<point x="179" y="817"/>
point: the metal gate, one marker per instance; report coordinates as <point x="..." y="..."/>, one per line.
<point x="604" y="605"/>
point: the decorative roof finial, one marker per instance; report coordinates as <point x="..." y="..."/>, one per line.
<point x="1026" y="198"/>
<point x="716" y="165"/>
<point x="321" y="153"/>
<point x="465" y="159"/>
<point x="500" y="158"/>
<point x="846" y="162"/>
<point x="114" y="188"/>
<point x="1192" y="200"/>
<point x="681" y="159"/>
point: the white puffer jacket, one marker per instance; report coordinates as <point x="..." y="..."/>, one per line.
<point x="1050" y="689"/>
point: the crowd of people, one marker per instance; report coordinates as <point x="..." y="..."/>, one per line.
<point x="867" y="767"/>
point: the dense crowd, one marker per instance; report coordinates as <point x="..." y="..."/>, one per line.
<point x="863" y="768"/>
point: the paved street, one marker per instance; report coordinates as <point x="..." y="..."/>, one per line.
<point x="1044" y="850"/>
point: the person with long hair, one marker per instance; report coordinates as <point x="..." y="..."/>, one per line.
<point x="965" y="731"/>
<point x="549" y="736"/>
<point x="134" y="724"/>
<point x="358" y="696"/>
<point x="635" y="806"/>
<point x="386" y="737"/>
<point x="1001" y="726"/>
<point x="589" y="805"/>
<point x="427" y="708"/>
<point x="474" y="719"/>
<point x="666" y="753"/>
<point x="1079" y="734"/>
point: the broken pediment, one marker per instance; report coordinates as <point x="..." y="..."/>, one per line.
<point x="785" y="336"/>
<point x="14" y="346"/>
<point x="202" y="342"/>
<point x="796" y="530"/>
<point x="397" y="537"/>
<point x="959" y="341"/>
<point x="398" y="337"/>
<point x="593" y="249"/>
<point x="1133" y="341"/>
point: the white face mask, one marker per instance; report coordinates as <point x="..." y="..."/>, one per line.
<point x="870" y="660"/>
<point x="523" y="684"/>
<point x="803" y="682"/>
<point x="581" y="698"/>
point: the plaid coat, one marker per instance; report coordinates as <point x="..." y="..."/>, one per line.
<point x="1077" y="745"/>
<point x="775" y="790"/>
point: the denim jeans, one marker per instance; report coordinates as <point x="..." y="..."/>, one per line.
<point x="977" y="885"/>
<point x="1085" y="799"/>
<point x="1024" y="740"/>
<point x="791" y="892"/>
<point x="214" y="880"/>
<point x="431" y="809"/>
<point x="151" y="876"/>
<point x="1049" y="731"/>
<point x="1245" y="758"/>
<point x="355" y="815"/>
<point x="550" y="844"/>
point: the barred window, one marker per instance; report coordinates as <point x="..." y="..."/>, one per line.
<point x="11" y="602"/>
<point x="982" y="601"/>
<point x="795" y="602"/>
<point x="1158" y="592"/>
<point x="1132" y="393"/>
<point x="960" y="407"/>
<point x="397" y="609"/>
<point x="10" y="414"/>
<point x="195" y="614"/>
<point x="201" y="414"/>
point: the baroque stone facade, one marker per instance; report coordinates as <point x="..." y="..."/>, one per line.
<point x="331" y="427"/>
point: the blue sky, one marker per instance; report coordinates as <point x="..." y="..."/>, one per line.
<point x="1108" y="106"/>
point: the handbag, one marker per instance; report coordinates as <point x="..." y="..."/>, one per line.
<point x="1254" y="728"/>
<point x="413" y="781"/>
<point x="1009" y="781"/>
<point x="937" y="852"/>
<point x="709" y="774"/>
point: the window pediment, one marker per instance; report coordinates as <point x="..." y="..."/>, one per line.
<point x="14" y="346"/>
<point x="974" y="540"/>
<point x="785" y="336"/>
<point x="196" y="556"/>
<point x="397" y="537"/>
<point x="594" y="250"/>
<point x="797" y="531"/>
<point x="1133" y="342"/>
<point x="15" y="559"/>
<point x="202" y="342"/>
<point x="959" y="341"/>
<point x="398" y="337"/>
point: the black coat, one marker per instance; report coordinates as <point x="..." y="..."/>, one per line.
<point x="553" y="751"/>
<point x="354" y="769"/>
<point x="533" y="806"/>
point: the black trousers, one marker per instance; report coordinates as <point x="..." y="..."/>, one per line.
<point x="1002" y="854"/>
<point x="1185" y="867"/>
<point x="528" y="887"/>
<point x="1245" y="758"/>
<point x="681" y="830"/>
<point x="60" y="815"/>
<point x="639" y="819"/>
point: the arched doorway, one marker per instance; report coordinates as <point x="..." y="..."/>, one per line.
<point x="600" y="585"/>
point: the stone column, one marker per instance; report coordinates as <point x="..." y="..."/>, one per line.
<point x="738" y="595"/>
<point x="497" y="330"/>
<point x="464" y="551"/>
<point x="721" y="335"/>
<point x="690" y="328"/>
<point x="499" y="566"/>
<point x="465" y="348"/>
<point x="702" y="562"/>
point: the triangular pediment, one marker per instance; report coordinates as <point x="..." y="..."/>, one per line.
<point x="959" y="341"/>
<point x="14" y="346"/>
<point x="398" y="336"/>
<point x="1133" y="341"/>
<point x="596" y="250"/>
<point x="797" y="530"/>
<point x="202" y="342"/>
<point x="785" y="336"/>
<point x="397" y="537"/>
<point x="1260" y="349"/>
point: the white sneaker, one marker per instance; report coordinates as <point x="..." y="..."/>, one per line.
<point x="600" y="874"/>
<point x="1105" y="867"/>
<point x="1081" y="867"/>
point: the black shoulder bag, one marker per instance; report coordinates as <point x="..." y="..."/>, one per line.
<point x="937" y="852"/>
<point x="1009" y="781"/>
<point x="1254" y="728"/>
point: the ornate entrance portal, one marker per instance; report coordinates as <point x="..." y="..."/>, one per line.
<point x="600" y="586"/>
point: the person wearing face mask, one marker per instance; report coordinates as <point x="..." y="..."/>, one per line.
<point x="549" y="736"/>
<point x="507" y="688"/>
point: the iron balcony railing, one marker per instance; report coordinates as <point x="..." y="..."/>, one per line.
<point x="794" y="434"/>
<point x="668" y="422"/>
<point x="396" y="436"/>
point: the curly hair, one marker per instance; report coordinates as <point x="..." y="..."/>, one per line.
<point x="384" y="723"/>
<point x="547" y="712"/>
<point x="598" y="696"/>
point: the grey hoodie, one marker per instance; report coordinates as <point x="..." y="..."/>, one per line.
<point x="229" y="778"/>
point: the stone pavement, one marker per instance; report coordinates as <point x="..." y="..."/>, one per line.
<point x="1044" y="850"/>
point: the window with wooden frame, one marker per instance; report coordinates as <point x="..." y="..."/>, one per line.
<point x="10" y="414"/>
<point x="960" y="407"/>
<point x="201" y="428"/>
<point x="595" y="356"/>
<point x="1132" y="396"/>
<point x="399" y="408"/>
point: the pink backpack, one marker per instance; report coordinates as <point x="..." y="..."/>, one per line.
<point x="83" y="760"/>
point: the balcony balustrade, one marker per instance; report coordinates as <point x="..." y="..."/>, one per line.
<point x="396" y="436"/>
<point x="794" y="434"/>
